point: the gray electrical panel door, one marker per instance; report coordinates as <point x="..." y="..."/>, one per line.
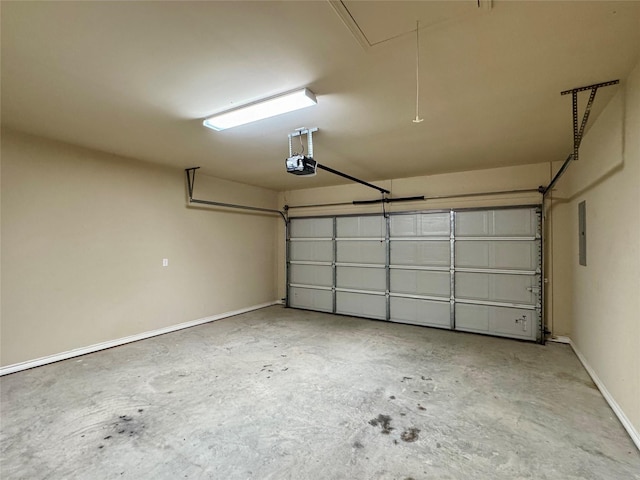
<point x="474" y="270"/>
<point x="582" y="233"/>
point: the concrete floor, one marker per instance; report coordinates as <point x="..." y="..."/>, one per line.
<point x="287" y="394"/>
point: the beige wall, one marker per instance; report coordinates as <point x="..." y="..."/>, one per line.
<point x="491" y="180"/>
<point x="83" y="238"/>
<point x="602" y="300"/>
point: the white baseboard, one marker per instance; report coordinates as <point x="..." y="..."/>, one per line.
<point x="16" y="367"/>
<point x="626" y="423"/>
<point x="559" y="339"/>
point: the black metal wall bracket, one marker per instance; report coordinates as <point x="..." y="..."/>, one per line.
<point x="578" y="131"/>
<point x="191" y="180"/>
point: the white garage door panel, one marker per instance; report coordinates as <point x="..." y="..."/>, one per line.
<point x="311" y="228"/>
<point x="515" y="223"/>
<point x="361" y="305"/>
<point x="311" y="275"/>
<point x="421" y="253"/>
<point x="311" y="299"/>
<point x="360" y="278"/>
<point x="498" y="223"/>
<point x="503" y="321"/>
<point x="420" y="312"/>
<point x="374" y="226"/>
<point x="505" y="255"/>
<point x="496" y="287"/>
<point x="316" y="250"/>
<point x="421" y="282"/>
<point x="361" y="251"/>
<point x="421" y="225"/>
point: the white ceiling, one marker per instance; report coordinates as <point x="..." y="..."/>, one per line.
<point x="137" y="78"/>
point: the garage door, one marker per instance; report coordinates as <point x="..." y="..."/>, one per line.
<point x="469" y="270"/>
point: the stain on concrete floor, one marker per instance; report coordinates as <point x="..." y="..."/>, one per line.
<point x="384" y="422"/>
<point x="410" y="435"/>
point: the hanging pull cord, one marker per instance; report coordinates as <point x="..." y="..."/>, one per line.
<point x="418" y="119"/>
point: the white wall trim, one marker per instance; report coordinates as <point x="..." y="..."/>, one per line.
<point x="16" y="367"/>
<point x="626" y="423"/>
<point x="559" y="339"/>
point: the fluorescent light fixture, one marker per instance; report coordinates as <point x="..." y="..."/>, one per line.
<point x="269" y="107"/>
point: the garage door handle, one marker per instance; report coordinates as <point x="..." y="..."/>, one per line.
<point x="524" y="322"/>
<point x="533" y="289"/>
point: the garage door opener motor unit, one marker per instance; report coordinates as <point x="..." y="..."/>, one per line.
<point x="301" y="164"/>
